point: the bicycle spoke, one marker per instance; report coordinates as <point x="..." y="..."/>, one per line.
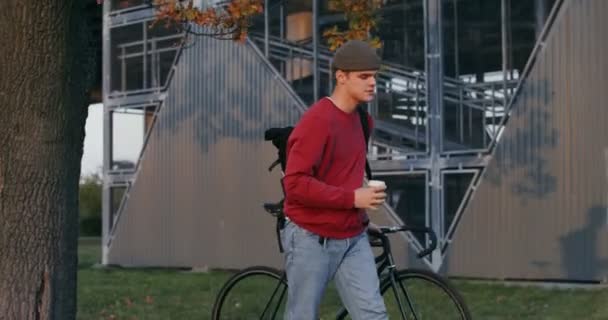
<point x="254" y="294"/>
<point x="279" y="285"/>
<point x="427" y="297"/>
<point x="409" y="300"/>
<point x="397" y="297"/>
<point x="278" y="306"/>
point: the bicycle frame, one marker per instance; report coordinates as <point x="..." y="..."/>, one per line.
<point x="384" y="261"/>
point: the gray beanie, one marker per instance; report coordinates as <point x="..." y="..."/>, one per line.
<point x="355" y="55"/>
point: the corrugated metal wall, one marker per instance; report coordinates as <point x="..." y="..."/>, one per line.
<point x="197" y="200"/>
<point x="541" y="208"/>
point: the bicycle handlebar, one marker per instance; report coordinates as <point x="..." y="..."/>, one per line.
<point x="429" y="231"/>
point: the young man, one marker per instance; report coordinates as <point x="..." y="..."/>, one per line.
<point x="325" y="202"/>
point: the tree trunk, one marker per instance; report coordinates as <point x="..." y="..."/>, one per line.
<point x="43" y="107"/>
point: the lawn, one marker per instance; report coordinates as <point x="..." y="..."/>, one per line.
<point x="129" y="294"/>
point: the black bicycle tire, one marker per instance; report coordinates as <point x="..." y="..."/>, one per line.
<point x="434" y="278"/>
<point x="232" y="281"/>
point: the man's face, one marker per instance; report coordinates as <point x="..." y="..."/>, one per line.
<point x="361" y="85"/>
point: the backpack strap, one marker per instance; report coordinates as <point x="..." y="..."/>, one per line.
<point x="365" y="126"/>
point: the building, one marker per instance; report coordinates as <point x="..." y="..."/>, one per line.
<point x="490" y="128"/>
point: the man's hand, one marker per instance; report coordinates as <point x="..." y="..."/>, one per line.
<point x="369" y="197"/>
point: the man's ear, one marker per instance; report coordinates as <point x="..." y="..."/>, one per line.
<point x="340" y="76"/>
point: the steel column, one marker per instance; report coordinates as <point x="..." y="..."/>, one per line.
<point x="107" y="133"/>
<point x="540" y="10"/>
<point x="505" y="53"/>
<point x="266" y="28"/>
<point x="434" y="69"/>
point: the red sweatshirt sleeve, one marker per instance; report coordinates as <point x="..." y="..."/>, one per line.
<point x="305" y="151"/>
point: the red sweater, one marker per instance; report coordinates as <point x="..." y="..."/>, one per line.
<point x="325" y="165"/>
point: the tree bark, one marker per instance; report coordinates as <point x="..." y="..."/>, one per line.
<point x="43" y="108"/>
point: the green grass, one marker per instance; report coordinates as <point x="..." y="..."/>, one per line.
<point x="114" y="293"/>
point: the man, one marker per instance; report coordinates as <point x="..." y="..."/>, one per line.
<point x="325" y="203"/>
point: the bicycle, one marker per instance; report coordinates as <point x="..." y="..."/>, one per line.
<point x="265" y="288"/>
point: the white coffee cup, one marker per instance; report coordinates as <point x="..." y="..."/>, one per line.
<point x="376" y="183"/>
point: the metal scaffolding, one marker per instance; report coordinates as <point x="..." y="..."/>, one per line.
<point x="427" y="123"/>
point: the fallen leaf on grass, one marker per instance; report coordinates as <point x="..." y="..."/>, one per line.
<point x="129" y="302"/>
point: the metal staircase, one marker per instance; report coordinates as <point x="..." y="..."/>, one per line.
<point x="473" y="111"/>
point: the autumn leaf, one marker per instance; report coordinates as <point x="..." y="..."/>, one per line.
<point x="231" y="22"/>
<point x="362" y="19"/>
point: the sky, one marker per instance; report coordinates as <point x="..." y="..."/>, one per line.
<point x="128" y="139"/>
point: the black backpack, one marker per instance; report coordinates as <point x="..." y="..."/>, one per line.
<point x="279" y="137"/>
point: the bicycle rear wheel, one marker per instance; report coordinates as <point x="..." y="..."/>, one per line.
<point x="424" y="295"/>
<point x="256" y="293"/>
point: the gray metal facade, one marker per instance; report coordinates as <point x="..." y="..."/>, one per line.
<point x="206" y="147"/>
<point x="198" y="192"/>
<point x="541" y="208"/>
<point x="537" y="211"/>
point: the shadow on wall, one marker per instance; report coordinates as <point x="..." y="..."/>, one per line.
<point x="230" y="93"/>
<point x="579" y="252"/>
<point x="579" y="248"/>
<point x="526" y="147"/>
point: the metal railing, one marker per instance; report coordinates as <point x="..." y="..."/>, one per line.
<point x="474" y="111"/>
<point x="158" y="83"/>
<point x="148" y="57"/>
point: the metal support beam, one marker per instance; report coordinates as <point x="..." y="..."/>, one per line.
<point x="144" y="31"/>
<point x="505" y="52"/>
<point x="155" y="70"/>
<point x="540" y="12"/>
<point x="460" y="163"/>
<point x="456" y="47"/>
<point x="315" y="48"/>
<point x="509" y="40"/>
<point x="119" y="177"/>
<point x="134" y="99"/>
<point x="107" y="133"/>
<point x="118" y="19"/>
<point x="282" y="20"/>
<point x="406" y="38"/>
<point x="434" y="85"/>
<point x="266" y="28"/>
<point x="282" y="33"/>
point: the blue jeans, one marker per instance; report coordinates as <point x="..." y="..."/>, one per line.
<point x="311" y="265"/>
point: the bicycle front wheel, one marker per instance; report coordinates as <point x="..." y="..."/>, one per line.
<point x="424" y="296"/>
<point x="256" y="293"/>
